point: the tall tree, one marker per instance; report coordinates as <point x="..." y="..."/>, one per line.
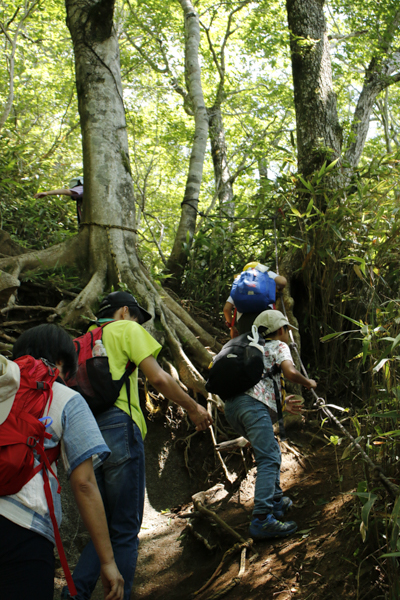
<point x="106" y="246"/>
<point x="319" y="133"/>
<point x="178" y="257"/>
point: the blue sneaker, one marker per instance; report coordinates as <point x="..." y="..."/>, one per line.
<point x="281" y="507"/>
<point x="270" y="528"/>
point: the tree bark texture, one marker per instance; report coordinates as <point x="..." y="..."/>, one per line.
<point x="184" y="236"/>
<point x="319" y="135"/>
<point x="380" y="74"/>
<point x="223" y="181"/>
<point x="106" y="244"/>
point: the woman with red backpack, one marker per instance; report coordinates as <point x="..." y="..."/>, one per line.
<point x="30" y="386"/>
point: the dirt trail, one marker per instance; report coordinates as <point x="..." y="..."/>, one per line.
<point x="319" y="561"/>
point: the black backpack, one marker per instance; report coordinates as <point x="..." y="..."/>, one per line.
<point x="239" y="366"/>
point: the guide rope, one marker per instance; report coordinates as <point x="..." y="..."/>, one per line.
<point x="321" y="404"/>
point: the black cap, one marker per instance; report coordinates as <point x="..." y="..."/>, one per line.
<point x="118" y="299"/>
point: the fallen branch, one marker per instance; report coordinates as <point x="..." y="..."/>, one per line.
<point x="228" y="476"/>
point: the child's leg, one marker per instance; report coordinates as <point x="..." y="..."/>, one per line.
<point x="251" y="418"/>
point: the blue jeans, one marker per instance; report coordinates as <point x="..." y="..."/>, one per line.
<point x="121" y="480"/>
<point x="251" y="418"/>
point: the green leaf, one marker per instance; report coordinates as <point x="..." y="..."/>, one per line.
<point x="336" y="230"/>
<point x="306" y="184"/>
<point x="366" y="509"/>
<point x="296" y="212"/>
<point x="331" y="165"/>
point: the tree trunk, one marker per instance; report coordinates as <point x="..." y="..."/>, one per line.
<point x="319" y="135"/>
<point x="106" y="244"/>
<point x="223" y="182"/>
<point x="184" y="236"/>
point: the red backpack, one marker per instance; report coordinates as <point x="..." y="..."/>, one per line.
<point x="93" y="378"/>
<point x="22" y="438"/>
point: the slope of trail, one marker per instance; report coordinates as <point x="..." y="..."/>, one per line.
<point x="322" y="560"/>
<point x="317" y="562"/>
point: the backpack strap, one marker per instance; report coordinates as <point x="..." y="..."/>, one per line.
<point x="49" y="497"/>
<point x="129" y="369"/>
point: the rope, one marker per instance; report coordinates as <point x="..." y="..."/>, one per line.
<point x="320" y="402"/>
<point x="322" y="405"/>
<point x="188" y="200"/>
<point x="122" y="227"/>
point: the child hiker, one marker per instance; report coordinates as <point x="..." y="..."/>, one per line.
<point x="249" y="414"/>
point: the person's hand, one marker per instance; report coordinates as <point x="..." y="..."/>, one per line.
<point x="40" y="195"/>
<point x="293" y="404"/>
<point x="112" y="580"/>
<point x="199" y="416"/>
<point x="311" y="384"/>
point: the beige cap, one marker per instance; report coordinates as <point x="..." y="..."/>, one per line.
<point x="9" y="384"/>
<point x="272" y="320"/>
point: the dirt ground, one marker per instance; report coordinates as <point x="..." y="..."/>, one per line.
<point x="324" y="559"/>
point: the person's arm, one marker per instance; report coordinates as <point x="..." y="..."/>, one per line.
<point x="61" y="192"/>
<point x="228" y="312"/>
<point x="90" y="505"/>
<point x="292" y="374"/>
<point x="167" y="386"/>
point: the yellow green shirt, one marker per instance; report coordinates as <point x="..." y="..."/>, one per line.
<point x="127" y="341"/>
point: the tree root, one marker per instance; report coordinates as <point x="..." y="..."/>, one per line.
<point x="108" y="256"/>
<point x="239" y="546"/>
<point x="201" y="538"/>
<point x="228" y="476"/>
<point x="198" y="500"/>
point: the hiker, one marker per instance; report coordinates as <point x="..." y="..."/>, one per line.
<point x="250" y="415"/>
<point x="122" y="478"/>
<point x="75" y="191"/>
<point x="26" y="532"/>
<point x="244" y="321"/>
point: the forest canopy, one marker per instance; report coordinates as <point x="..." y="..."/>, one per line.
<point x="289" y="118"/>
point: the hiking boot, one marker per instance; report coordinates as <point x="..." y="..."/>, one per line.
<point x="281" y="507"/>
<point x="270" y="528"/>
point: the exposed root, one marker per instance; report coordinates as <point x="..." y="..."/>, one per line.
<point x="66" y="253"/>
<point x="242" y="547"/>
<point x="198" y="500"/>
<point x="81" y="305"/>
<point x="48" y="309"/>
<point x="205" y="338"/>
<point x="228" y="476"/>
<point x="201" y="538"/>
